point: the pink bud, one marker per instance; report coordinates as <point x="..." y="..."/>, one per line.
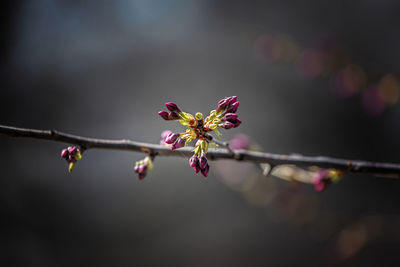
<point x="203" y="161"/>
<point x="232" y="99"/>
<point x="180" y="142"/>
<point x="72" y="150"/>
<point x="142" y="169"/>
<point x="172" y="107"/>
<point x="163" y="114"/>
<point x="233" y="107"/>
<point x="193" y="161"/>
<point x="223" y="104"/>
<point x="229" y="117"/>
<point x="173" y="116"/>
<point x="227" y="125"/>
<point x="321" y="180"/>
<point x="171" y="138"/>
<point x="319" y="187"/>
<point x="237" y="123"/>
<point x="64" y="153"/>
<point x="71" y="159"/>
<point x="205" y="170"/>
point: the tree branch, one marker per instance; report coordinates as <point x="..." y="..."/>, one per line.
<point x="357" y="166"/>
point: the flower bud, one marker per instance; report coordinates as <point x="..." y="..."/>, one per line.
<point x="163" y="114"/>
<point x="193" y="161"/>
<point x="142" y="169"/>
<point x="71" y="166"/>
<point x="237" y="123"/>
<point x="321" y="181"/>
<point x="72" y="150"/>
<point x="227" y="125"/>
<point x="71" y="158"/>
<point x="180" y="142"/>
<point x="233" y="107"/>
<point x="64" y="153"/>
<point x="232" y="99"/>
<point x="205" y="170"/>
<point x="203" y="161"/>
<point x="230" y="117"/>
<point x="173" y="116"/>
<point x="172" y="107"/>
<point x="199" y="116"/>
<point x="223" y="104"/>
<point x="171" y="138"/>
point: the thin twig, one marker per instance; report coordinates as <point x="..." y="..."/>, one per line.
<point x="357" y="166"/>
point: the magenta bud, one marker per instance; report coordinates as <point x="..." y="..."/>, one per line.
<point x="227" y="125"/>
<point x="230" y="117"/>
<point x="71" y="158"/>
<point x="173" y="116"/>
<point x="203" y="161"/>
<point x="223" y="104"/>
<point x="172" y="107"/>
<point x="193" y="161"/>
<point x="321" y="181"/>
<point x="205" y="170"/>
<point x="196" y="169"/>
<point x="165" y="133"/>
<point x="180" y="142"/>
<point x="233" y="107"/>
<point x="164" y="114"/>
<point x="319" y="187"/>
<point x="232" y="99"/>
<point x="72" y="150"/>
<point x="64" y="153"/>
<point x="237" y="123"/>
<point x="142" y="169"/>
<point x="171" y="138"/>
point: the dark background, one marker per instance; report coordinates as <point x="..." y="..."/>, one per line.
<point x="105" y="68"/>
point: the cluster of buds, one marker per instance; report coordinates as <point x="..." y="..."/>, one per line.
<point x="143" y="166"/>
<point x="199" y="160"/>
<point x="71" y="154"/>
<point x="197" y="128"/>
<point x="324" y="178"/>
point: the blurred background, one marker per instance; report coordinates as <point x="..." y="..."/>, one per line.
<point x="315" y="77"/>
